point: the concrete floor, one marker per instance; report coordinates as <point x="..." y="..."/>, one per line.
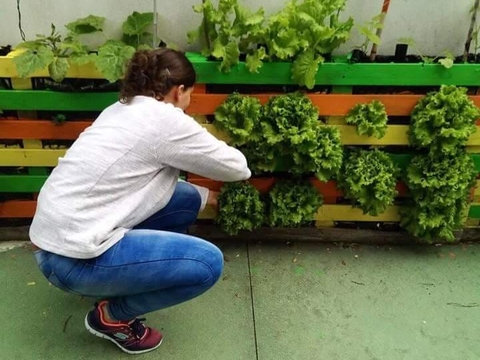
<point x="275" y="302"/>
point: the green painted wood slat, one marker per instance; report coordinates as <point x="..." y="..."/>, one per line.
<point x="341" y="72"/>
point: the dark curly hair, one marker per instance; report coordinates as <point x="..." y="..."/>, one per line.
<point x="155" y="72"/>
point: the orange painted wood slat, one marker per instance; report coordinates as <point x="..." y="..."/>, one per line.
<point x="261" y="184"/>
<point x="200" y="89"/>
<point x="327" y="189"/>
<point x="328" y="104"/>
<point x="18" y="209"/>
<point x="41" y="129"/>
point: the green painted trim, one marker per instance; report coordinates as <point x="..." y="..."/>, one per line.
<point x="33" y="183"/>
<point x="21" y="183"/>
<point x="474" y="212"/>
<point x="58" y="101"/>
<point x="27" y="183"/>
<point x="342" y="73"/>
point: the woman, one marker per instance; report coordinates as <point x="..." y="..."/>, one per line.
<point x="111" y="218"/>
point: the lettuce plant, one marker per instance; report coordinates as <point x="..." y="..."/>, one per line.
<point x="370" y="119"/>
<point x="439" y="185"/>
<point x="239" y="117"/>
<point x="443" y="120"/>
<point x="293" y="203"/>
<point x="240" y="208"/>
<point x="369" y="179"/>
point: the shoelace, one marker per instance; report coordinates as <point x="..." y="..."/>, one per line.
<point x="138" y="329"/>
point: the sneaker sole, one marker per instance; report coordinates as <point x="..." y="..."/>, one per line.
<point x="103" y="336"/>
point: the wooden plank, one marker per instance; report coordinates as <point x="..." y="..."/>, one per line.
<point x="9" y="70"/>
<point x="474" y="212"/>
<point x="47" y="157"/>
<point x="348" y="213"/>
<point x="34" y="144"/>
<point x="55" y="101"/>
<point x="45" y="129"/>
<point x="395" y="135"/>
<point x="327" y="235"/>
<point x="26" y="209"/>
<point x="201" y="104"/>
<point x="340" y="72"/>
<point x="336" y="213"/>
<point x="30" y="157"/>
<point x="328" y="104"/>
<point x="18" y="209"/>
<point x="41" y="129"/>
<point x="21" y="183"/>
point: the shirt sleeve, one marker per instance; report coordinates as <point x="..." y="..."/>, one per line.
<point x="186" y="145"/>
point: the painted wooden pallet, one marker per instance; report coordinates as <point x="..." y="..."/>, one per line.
<point x="336" y="73"/>
<point x="339" y="74"/>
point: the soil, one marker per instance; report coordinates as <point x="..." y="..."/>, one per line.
<point x="262" y="89"/>
<point x="358" y="56"/>
<point x="76" y="85"/>
<point x="4" y="50"/>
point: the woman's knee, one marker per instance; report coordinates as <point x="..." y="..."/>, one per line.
<point x="190" y="195"/>
<point x="213" y="259"/>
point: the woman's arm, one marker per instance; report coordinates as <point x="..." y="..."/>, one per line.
<point x="187" y="146"/>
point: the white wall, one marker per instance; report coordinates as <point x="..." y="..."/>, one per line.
<point x="436" y="25"/>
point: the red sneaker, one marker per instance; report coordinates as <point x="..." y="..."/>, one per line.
<point x="132" y="337"/>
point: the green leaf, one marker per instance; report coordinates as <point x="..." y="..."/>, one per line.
<point x="82" y="59"/>
<point x="86" y="25"/>
<point x="293" y="203"/>
<point x="229" y="55"/>
<point x="240" y="208"/>
<point x="239" y="117"/>
<point x="305" y="68"/>
<point x="58" y="69"/>
<point x="447" y="63"/>
<point x="30" y="61"/>
<point x="144" y="47"/>
<point x="370" y="119"/>
<point x="368" y="178"/>
<point x="31" y="45"/>
<point x="439" y="186"/>
<point x="254" y="61"/>
<point x="112" y="59"/>
<point x="443" y="120"/>
<point x="138" y="23"/>
<point x="373" y="37"/>
<point x="407" y="41"/>
<point x="289" y="130"/>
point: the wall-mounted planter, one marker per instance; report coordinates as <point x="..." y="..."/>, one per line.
<point x="336" y="74"/>
<point x="342" y="73"/>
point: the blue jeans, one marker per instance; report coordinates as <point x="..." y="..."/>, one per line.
<point x="154" y="266"/>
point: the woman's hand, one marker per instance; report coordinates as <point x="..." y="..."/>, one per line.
<point x="213" y="199"/>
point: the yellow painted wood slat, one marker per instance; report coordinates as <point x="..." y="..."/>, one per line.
<point x="395" y="135"/>
<point x="348" y="213"/>
<point x="329" y="213"/>
<point x="9" y="70"/>
<point x="30" y="157"/>
<point x="476" y="192"/>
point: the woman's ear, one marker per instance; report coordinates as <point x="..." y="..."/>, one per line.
<point x="180" y="91"/>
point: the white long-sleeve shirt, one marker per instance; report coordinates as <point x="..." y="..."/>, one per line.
<point x="123" y="169"/>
